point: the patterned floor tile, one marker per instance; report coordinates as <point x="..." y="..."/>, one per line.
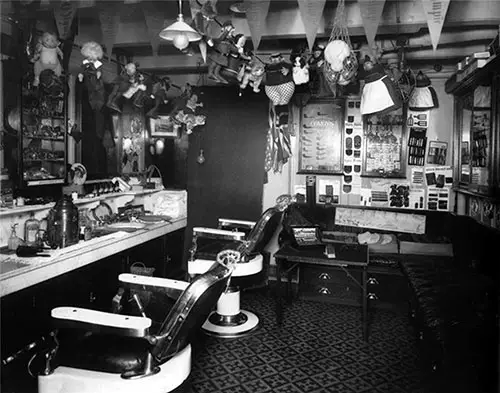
<point x="318" y="349"/>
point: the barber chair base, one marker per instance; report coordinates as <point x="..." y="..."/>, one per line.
<point x="172" y="374"/>
<point x="231" y="326"/>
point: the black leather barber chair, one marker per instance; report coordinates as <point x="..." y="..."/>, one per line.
<point x="108" y="352"/>
<point x="250" y="239"/>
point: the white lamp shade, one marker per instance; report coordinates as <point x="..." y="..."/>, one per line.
<point x="379" y="96"/>
<point x="177" y="28"/>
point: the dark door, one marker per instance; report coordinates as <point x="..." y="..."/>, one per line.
<point x="230" y="181"/>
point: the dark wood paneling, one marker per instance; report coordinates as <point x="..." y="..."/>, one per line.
<point x="230" y="182"/>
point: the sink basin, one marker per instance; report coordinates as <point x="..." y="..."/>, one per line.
<point x="9" y="266"/>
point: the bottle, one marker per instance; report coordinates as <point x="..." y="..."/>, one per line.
<point x="31" y="228"/>
<point x="14" y="240"/>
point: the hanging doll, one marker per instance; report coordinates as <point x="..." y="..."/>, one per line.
<point x="279" y="84"/>
<point x="238" y="57"/>
<point x="91" y="74"/>
<point x="318" y="84"/>
<point x="219" y="52"/>
<point x="380" y="95"/>
<point x="129" y="84"/>
<point x="159" y="95"/>
<point x="46" y="57"/>
<point x="300" y="69"/>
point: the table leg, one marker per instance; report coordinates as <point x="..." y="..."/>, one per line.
<point x="365" y="303"/>
<point x="279" y="306"/>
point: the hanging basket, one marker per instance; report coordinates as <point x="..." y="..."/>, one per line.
<point x="341" y="64"/>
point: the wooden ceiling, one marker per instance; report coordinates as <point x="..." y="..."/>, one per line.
<point x="470" y="26"/>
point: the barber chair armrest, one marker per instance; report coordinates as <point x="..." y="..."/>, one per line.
<point x="172" y="288"/>
<point x="101" y="322"/>
<point x="225" y="223"/>
<point x="218" y="233"/>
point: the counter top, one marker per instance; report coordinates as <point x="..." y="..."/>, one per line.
<point x="27" y="272"/>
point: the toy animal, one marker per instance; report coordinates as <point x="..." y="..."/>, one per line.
<point x="47" y="54"/>
<point x="190" y="120"/>
<point x="253" y="74"/>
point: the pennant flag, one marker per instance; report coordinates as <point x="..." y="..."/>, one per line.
<point x="154" y="22"/>
<point x="64" y="12"/>
<point x="311" y="12"/>
<point x="435" y="12"/>
<point x="86" y="3"/>
<point x="371" y="13"/>
<point x="110" y="22"/>
<point x="256" y="17"/>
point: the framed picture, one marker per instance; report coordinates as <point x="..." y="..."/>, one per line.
<point x="385" y="142"/>
<point x="437" y="152"/>
<point x="320" y="133"/>
<point x="163" y="126"/>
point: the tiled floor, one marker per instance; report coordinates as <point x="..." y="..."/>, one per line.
<point x="319" y="349"/>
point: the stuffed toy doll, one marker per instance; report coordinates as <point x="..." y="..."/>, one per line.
<point x="129" y="84"/>
<point x="46" y="57"/>
<point x="219" y="52"/>
<point x="91" y="74"/>
<point x="300" y="69"/>
<point x="318" y="84"/>
<point x="238" y="57"/>
<point x="279" y="84"/>
<point x="159" y="95"/>
<point x="379" y="95"/>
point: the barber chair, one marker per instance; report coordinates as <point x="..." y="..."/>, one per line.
<point x="250" y="239"/>
<point x="134" y="353"/>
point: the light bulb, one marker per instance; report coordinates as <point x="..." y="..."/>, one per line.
<point x="159" y="146"/>
<point x="201" y="158"/>
<point x="181" y="41"/>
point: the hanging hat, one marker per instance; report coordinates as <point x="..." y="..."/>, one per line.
<point x="424" y="96"/>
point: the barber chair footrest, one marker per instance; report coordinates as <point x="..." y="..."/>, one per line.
<point x="72" y="380"/>
<point x="231" y="326"/>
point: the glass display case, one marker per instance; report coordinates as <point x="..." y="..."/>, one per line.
<point x="43" y="142"/>
<point x="477" y="142"/>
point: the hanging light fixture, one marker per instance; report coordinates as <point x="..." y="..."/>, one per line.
<point x="179" y="32"/>
<point x="424" y="96"/>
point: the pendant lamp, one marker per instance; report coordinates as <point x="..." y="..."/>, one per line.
<point x="424" y="96"/>
<point x="180" y="33"/>
<point x="380" y="94"/>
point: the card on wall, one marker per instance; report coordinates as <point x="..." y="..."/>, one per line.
<point x="438" y="198"/>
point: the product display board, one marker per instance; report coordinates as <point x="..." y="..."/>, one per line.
<point x="385" y="150"/>
<point x="42" y="146"/>
<point x="320" y="147"/>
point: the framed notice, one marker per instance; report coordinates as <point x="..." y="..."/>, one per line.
<point x="320" y="133"/>
<point x="163" y="126"/>
<point x="384" y="145"/>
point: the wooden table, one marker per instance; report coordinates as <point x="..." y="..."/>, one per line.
<point x="348" y="256"/>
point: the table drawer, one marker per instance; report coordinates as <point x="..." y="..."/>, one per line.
<point x="320" y="275"/>
<point x="336" y="293"/>
<point x="387" y="288"/>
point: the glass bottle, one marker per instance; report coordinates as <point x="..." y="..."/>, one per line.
<point x="31" y="228"/>
<point x="14" y="240"/>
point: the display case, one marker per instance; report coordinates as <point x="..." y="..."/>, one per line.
<point x="477" y="141"/>
<point x="43" y="141"/>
